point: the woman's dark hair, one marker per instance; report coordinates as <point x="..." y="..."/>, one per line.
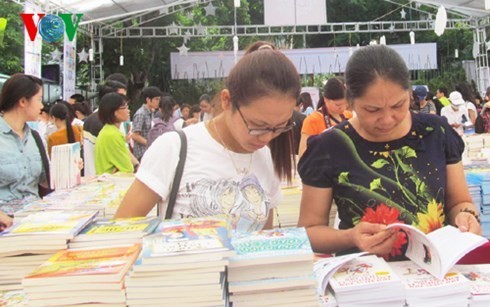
<point x="305" y="99"/>
<point x="466" y="91"/>
<point x="368" y="64"/>
<point x="108" y="106"/>
<point x="166" y="106"/>
<point x="18" y="86"/>
<point x="83" y="107"/>
<point x="60" y="111"/>
<point x="262" y="73"/>
<point x="333" y="89"/>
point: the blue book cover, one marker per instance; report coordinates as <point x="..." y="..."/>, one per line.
<point x="272" y="243"/>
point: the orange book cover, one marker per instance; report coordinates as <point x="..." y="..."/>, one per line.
<point x="102" y="261"/>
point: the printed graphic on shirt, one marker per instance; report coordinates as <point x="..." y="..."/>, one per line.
<point x="244" y="201"/>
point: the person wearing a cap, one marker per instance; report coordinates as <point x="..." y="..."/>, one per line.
<point x="456" y="113"/>
<point x="425" y="106"/>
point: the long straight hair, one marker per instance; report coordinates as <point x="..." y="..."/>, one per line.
<point x="260" y="73"/>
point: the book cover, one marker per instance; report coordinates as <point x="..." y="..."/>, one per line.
<point x="66" y="224"/>
<point x="109" y="228"/>
<point x="325" y="268"/>
<point x="419" y="283"/>
<point x="256" y="247"/>
<point x="84" y="263"/>
<point x="438" y="251"/>
<point x="479" y="277"/>
<point x="362" y="272"/>
<point x="187" y="236"/>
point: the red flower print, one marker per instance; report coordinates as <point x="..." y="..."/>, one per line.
<point x="385" y="215"/>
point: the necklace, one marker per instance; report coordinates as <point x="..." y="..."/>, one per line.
<point x="240" y="170"/>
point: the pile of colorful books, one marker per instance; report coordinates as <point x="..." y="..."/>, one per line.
<point x="81" y="276"/>
<point x="272" y="267"/>
<point x="183" y="263"/>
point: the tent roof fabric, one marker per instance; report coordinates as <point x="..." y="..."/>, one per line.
<point x="102" y="10"/>
<point x="472" y="8"/>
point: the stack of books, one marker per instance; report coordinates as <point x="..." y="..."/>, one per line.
<point x="14" y="268"/>
<point x="473" y="145"/>
<point x="423" y="289"/>
<point x="43" y="232"/>
<point x="105" y="232"/>
<point x="272" y="267"/>
<point x="183" y="263"/>
<point x="287" y="212"/>
<point x="479" y="277"/>
<point x="367" y="281"/>
<point x="65" y="166"/>
<point x="28" y="243"/>
<point x="81" y="276"/>
<point x="103" y="194"/>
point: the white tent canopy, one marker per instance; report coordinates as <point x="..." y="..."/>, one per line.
<point x="103" y="10"/>
<point x="474" y="8"/>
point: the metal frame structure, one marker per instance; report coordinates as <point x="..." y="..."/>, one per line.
<point x="108" y="27"/>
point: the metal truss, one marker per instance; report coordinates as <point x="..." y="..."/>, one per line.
<point x="263" y="30"/>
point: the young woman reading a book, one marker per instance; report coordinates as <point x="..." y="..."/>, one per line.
<point x="235" y="160"/>
<point x="21" y="167"/>
<point x="383" y="166"/>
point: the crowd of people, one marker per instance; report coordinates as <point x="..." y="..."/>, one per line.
<point x="384" y="152"/>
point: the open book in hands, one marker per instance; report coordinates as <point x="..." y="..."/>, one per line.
<point x="438" y="251"/>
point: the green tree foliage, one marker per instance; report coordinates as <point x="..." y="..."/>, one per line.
<point x="147" y="60"/>
<point x="11" y="49"/>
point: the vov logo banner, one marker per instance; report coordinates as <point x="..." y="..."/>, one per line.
<point x="51" y="27"/>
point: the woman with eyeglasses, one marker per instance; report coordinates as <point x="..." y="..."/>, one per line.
<point x="21" y="167"/>
<point x="386" y="165"/>
<point x="111" y="153"/>
<point x="247" y="148"/>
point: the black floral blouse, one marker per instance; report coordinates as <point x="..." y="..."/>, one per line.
<point x="385" y="182"/>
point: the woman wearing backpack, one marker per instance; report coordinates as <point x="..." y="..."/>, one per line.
<point x="111" y="153"/>
<point x="165" y="120"/>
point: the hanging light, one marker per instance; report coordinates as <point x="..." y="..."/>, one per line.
<point x="235" y="48"/>
<point x="382" y="40"/>
<point x="121" y="57"/>
<point x="91" y="54"/>
<point x="441" y="20"/>
<point x="412" y="38"/>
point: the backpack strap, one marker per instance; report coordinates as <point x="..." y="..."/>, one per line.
<point x="44" y="156"/>
<point x="178" y="176"/>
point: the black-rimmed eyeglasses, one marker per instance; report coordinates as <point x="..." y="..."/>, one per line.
<point x="263" y="131"/>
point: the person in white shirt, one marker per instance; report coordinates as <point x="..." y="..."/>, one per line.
<point x="456" y="113"/>
<point x="234" y="161"/>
